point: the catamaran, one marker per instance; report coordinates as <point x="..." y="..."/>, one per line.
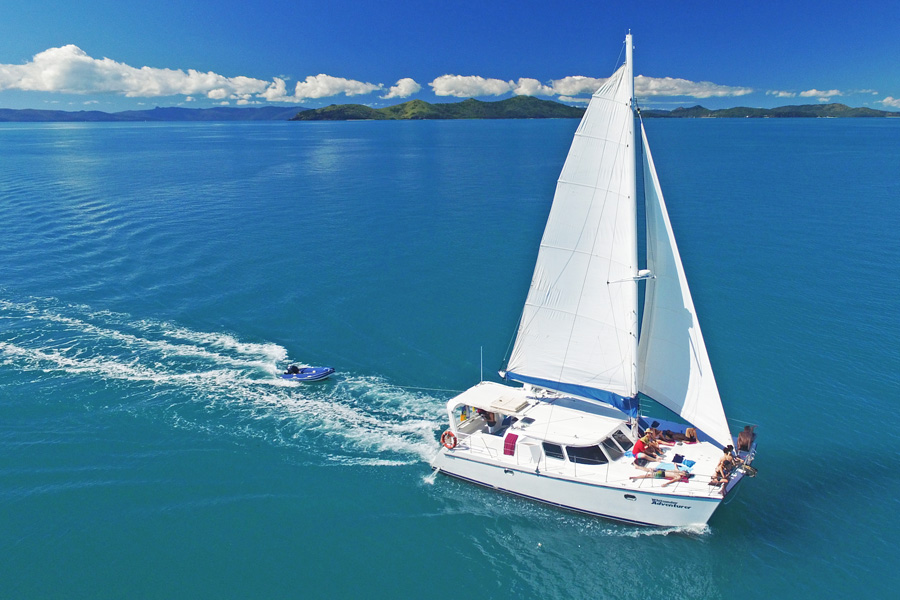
<point x="567" y="435"/>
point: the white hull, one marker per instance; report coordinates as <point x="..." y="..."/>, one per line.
<point x="610" y="501"/>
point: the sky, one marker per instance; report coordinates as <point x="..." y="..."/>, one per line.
<point x="112" y="55"/>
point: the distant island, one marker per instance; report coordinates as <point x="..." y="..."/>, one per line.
<point x="790" y="112"/>
<point x="526" y="107"/>
<point x="518" y="107"/>
<point x="175" y="113"/>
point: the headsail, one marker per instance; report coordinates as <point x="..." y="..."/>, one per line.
<point x="578" y="331"/>
<point x="673" y="364"/>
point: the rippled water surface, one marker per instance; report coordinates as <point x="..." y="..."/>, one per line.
<point x="155" y="278"/>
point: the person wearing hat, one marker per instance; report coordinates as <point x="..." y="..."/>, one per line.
<point x="641" y="450"/>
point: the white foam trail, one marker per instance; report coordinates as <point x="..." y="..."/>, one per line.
<point x="218" y="383"/>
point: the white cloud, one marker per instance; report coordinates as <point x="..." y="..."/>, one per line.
<point x="669" y="86"/>
<point x="69" y="69"/>
<point x="404" y="88"/>
<point x="891" y="101"/>
<point x="276" y="91"/>
<point x="575" y="100"/>
<point x="781" y="94"/>
<point x="467" y="86"/>
<point x="532" y="87"/>
<point x="323" y="86"/>
<point x="822" y="96"/>
<point x="576" y="84"/>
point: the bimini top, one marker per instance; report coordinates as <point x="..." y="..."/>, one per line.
<point x="492" y="397"/>
<point x="557" y="419"/>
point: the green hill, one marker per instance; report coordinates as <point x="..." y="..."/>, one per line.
<point x="743" y="112"/>
<point x="518" y="107"/>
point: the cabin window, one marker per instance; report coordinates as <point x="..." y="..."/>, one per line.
<point x="611" y="448"/>
<point x="553" y="451"/>
<point x="588" y="455"/>
<point x="623" y="440"/>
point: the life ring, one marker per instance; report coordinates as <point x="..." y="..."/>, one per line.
<point x="448" y="439"/>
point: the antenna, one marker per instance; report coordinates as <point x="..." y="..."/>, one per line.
<point x="482" y="364"/>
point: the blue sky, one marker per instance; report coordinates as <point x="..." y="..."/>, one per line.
<point x="114" y="55"/>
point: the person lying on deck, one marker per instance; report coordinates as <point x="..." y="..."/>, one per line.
<point x="688" y="437"/>
<point x="670" y="476"/>
<point x="656" y="440"/>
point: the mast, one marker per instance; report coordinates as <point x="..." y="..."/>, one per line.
<point x="629" y="79"/>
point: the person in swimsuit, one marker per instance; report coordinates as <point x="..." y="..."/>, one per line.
<point x="671" y="476"/>
<point x="642" y="451"/>
<point x="745" y="438"/>
<point x="726" y="465"/>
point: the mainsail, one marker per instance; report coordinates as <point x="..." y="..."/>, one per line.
<point x="578" y="331"/>
<point x="673" y="365"/>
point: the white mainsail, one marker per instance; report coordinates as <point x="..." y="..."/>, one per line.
<point x="578" y="331"/>
<point x="673" y="365"/>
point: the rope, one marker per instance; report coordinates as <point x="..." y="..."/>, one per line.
<point x="409" y="387"/>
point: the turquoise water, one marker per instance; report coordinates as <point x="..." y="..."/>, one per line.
<point x="155" y="277"/>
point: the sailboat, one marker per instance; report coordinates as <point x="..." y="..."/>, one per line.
<point x="567" y="435"/>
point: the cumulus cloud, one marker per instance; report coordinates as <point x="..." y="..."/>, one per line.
<point x="467" y="86"/>
<point x="781" y="94"/>
<point x="404" y="88"/>
<point x="531" y="87"/>
<point x="323" y="86"/>
<point x="669" y="86"/>
<point x="576" y="84"/>
<point x="891" y="101"/>
<point x="822" y="96"/>
<point x="69" y="69"/>
<point x="574" y="100"/>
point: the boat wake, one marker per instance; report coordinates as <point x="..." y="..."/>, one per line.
<point x="211" y="382"/>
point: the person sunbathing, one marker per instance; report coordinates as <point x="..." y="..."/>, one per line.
<point x="671" y="476"/>
<point x="688" y="437"/>
<point x="656" y="439"/>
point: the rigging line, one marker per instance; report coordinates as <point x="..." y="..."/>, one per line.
<point x="410" y="387"/>
<point x="622" y="49"/>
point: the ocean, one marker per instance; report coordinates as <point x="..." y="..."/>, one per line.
<point x="156" y="277"/>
